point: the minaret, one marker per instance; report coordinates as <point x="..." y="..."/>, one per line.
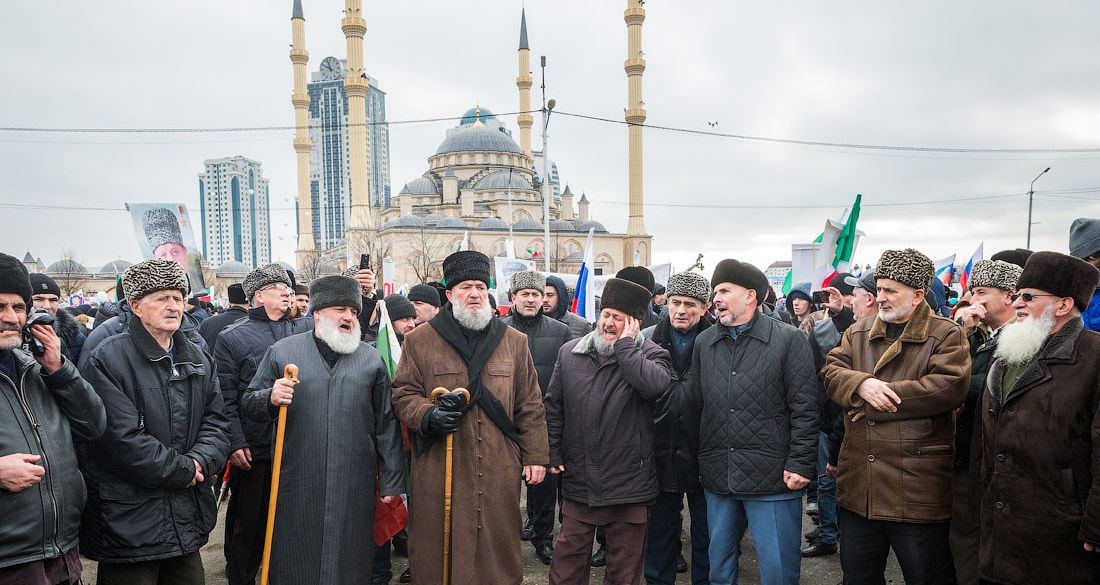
<point x="302" y="145"/>
<point x="635" y="113"/>
<point x="355" y="85"/>
<point x="523" y="82"/>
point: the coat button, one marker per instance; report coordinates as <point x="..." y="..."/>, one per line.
<point x="1000" y="457"/>
<point x="1000" y="505"/>
<point x="990" y="411"/>
<point x="733" y="373"/>
<point x="870" y="457"/>
<point x="871" y="422"/>
<point x="731" y="448"/>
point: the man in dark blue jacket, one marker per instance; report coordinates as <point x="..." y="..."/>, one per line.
<point x="238" y="351"/>
<point x="1084" y="243"/>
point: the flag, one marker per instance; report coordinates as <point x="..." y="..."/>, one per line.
<point x="945" y="269"/>
<point x="637" y="257"/>
<point x="387" y="340"/>
<point x="465" y="243"/>
<point x="509" y="248"/>
<point x="977" y="257"/>
<point x="533" y="253"/>
<point x="584" y="299"/>
<point x="846" y="242"/>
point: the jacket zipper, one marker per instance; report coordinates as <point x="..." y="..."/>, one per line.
<point x="41" y="448"/>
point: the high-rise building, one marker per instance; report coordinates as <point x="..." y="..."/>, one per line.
<point x="233" y="198"/>
<point x="330" y="157"/>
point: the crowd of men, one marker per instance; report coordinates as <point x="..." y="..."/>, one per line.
<point x="961" y="434"/>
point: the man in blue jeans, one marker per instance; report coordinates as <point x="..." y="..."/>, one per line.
<point x="753" y="399"/>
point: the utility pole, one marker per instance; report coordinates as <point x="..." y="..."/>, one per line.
<point x="1030" y="199"/>
<point x="547" y="188"/>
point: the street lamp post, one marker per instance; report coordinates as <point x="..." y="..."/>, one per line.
<point x="547" y="188"/>
<point x="1030" y="198"/>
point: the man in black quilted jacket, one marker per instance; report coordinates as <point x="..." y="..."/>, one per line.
<point x="754" y="398"/>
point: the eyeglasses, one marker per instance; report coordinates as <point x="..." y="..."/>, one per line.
<point x="1028" y="297"/>
<point x="277" y="285"/>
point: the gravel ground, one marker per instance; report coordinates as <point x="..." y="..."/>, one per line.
<point x="816" y="571"/>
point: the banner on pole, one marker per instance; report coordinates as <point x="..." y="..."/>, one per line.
<point x="389" y="277"/>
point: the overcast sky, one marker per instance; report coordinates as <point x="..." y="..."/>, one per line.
<point x="987" y="75"/>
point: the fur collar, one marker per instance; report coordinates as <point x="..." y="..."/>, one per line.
<point x="587" y="344"/>
<point x="66" y="326"/>
<point x="1059" y="347"/>
<point x="916" y="329"/>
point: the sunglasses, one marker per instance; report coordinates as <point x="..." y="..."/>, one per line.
<point x="1028" y="297"/>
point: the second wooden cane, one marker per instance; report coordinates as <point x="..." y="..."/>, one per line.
<point x="290" y="373"/>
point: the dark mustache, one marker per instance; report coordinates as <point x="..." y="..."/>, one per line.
<point x="9" y="327"/>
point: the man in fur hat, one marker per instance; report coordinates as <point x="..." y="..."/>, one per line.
<point x="753" y="395"/>
<point x="603" y="391"/>
<point x="1037" y="435"/>
<point x="499" y="435"/>
<point x="900" y="376"/>
<point x="545" y="336"/>
<point x="340" y="435"/>
<point x="237" y="351"/>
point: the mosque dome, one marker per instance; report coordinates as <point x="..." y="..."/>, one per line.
<point x="527" y="224"/>
<point x="502" y="180"/>
<point x="562" y="225"/>
<point x="472" y="114"/>
<point x="492" y="223"/>
<point x="434" y="218"/>
<point x="421" y="186"/>
<point x="66" y="266"/>
<point x="477" y="138"/>
<point x="405" y="221"/>
<point x="286" y="266"/>
<point x="584" y="226"/>
<point x="451" y="222"/>
<point x="234" y="267"/>
<point x="326" y="269"/>
<point x="115" y="266"/>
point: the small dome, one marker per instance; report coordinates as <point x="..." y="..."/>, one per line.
<point x="326" y="269"/>
<point x="527" y="224"/>
<point x="421" y="186"/>
<point x="451" y="222"/>
<point x="286" y="265"/>
<point x="492" y="223"/>
<point x="114" y="266"/>
<point x="584" y="226"/>
<point x="471" y="115"/>
<point x="405" y="221"/>
<point x="234" y="267"/>
<point x="501" y="180"/>
<point x="434" y="218"/>
<point x="477" y="138"/>
<point x="575" y="257"/>
<point x="66" y="266"/>
<point x="561" y="225"/>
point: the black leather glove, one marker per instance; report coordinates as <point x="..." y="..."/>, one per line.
<point x="452" y="401"/>
<point x="440" y="422"/>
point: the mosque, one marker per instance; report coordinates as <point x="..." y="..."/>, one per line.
<point x="481" y="187"/>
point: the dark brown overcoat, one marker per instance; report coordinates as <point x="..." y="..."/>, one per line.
<point x="898" y="466"/>
<point x="487" y="465"/>
<point x="1035" y="466"/>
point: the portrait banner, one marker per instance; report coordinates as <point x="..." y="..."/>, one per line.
<point x="164" y="231"/>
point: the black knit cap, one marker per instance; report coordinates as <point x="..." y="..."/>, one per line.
<point x="236" y="295"/>
<point x="465" y="265"/>
<point x="840" y="283"/>
<point x="1062" y="275"/>
<point x="742" y="274"/>
<point x="626" y="296"/>
<point x="639" y="275"/>
<point x="44" y="285"/>
<point x="399" y="307"/>
<point x="14" y="278"/>
<point x="425" y="293"/>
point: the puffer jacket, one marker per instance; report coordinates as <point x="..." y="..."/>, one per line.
<point x="119" y="323"/>
<point x="578" y="326"/>
<point x="164" y="413"/>
<point x="1091" y="315"/>
<point x="237" y="353"/>
<point x="600" y="420"/>
<point x="755" y="403"/>
<point x="674" y="443"/>
<point x="898" y="466"/>
<point x="210" y="328"/>
<point x="545" y="336"/>
<point x="42" y="417"/>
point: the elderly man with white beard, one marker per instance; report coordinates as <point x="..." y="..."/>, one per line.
<point x="499" y="435"/>
<point x="340" y="435"/>
<point x="1036" y="450"/>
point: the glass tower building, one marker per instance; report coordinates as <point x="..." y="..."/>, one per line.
<point x="233" y="198"/>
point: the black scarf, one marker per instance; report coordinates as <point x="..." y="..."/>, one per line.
<point x="475" y="347"/>
<point x="526" y="322"/>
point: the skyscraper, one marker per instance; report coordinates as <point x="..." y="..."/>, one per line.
<point x="233" y="198"/>
<point x="330" y="158"/>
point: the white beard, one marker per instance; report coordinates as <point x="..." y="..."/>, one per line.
<point x="604" y="346"/>
<point x="473" y="319"/>
<point x="342" y="342"/>
<point x="1022" y="340"/>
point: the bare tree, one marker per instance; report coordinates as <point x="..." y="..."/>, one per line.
<point x="309" y="266"/>
<point x="426" y="253"/>
<point x="70" y="275"/>
<point x="370" y="242"/>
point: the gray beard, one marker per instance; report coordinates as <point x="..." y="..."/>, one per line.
<point x="1022" y="340"/>
<point x="604" y="346"/>
<point x="342" y="342"/>
<point x="732" y="314"/>
<point x="473" y="319"/>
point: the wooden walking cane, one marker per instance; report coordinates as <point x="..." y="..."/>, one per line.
<point x="447" y="490"/>
<point x="290" y="373"/>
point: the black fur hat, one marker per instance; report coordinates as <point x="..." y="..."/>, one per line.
<point x="1062" y="275"/>
<point x="639" y="275"/>
<point x="1018" y="256"/>
<point x="335" y="291"/>
<point x="14" y="278"/>
<point x="742" y="274"/>
<point x="236" y="295"/>
<point x="466" y="265"/>
<point x="626" y="296"/>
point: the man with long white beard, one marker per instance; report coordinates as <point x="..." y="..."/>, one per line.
<point x="499" y="435"/>
<point x="1036" y="448"/>
<point x="900" y="376"/>
<point x="340" y="435"/>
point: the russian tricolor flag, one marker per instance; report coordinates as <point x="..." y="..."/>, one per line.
<point x="584" y="299"/>
<point x="945" y="269"/>
<point x="977" y="257"/>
